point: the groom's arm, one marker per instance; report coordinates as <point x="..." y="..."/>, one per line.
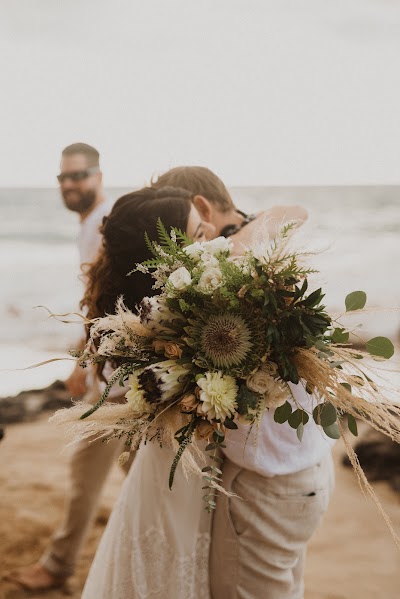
<point x="272" y="220"/>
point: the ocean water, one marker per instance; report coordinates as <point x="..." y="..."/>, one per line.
<point x="358" y="229"/>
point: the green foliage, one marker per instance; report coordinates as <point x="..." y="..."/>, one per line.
<point x="282" y="413"/>
<point x="213" y="474"/>
<point x="347" y="386"/>
<point x="298" y="417"/>
<point x="380" y="346"/>
<point x="246" y="400"/>
<point x="355" y="300"/>
<point x="120" y="374"/>
<point x="184" y="437"/>
<point x="325" y="414"/>
<point x="166" y="249"/>
<point x="352" y="424"/>
<point x="339" y="335"/>
<point x="332" y="431"/>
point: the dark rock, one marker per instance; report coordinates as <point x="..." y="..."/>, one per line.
<point x="379" y="457"/>
<point x="28" y="405"/>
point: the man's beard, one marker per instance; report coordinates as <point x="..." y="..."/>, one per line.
<point x="79" y="201"/>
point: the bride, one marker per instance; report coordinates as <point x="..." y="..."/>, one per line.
<point x="156" y="543"/>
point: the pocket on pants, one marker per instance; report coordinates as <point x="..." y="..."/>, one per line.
<point x="289" y="506"/>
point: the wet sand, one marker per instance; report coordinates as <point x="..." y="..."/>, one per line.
<point x="352" y="555"/>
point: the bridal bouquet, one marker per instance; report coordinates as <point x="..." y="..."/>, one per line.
<point x="219" y="344"/>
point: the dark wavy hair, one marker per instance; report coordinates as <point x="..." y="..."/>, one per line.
<point x="124" y="245"/>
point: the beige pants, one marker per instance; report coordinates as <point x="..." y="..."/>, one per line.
<point x="89" y="467"/>
<point x="259" y="541"/>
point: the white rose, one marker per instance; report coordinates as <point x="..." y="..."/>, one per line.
<point x="218" y="245"/>
<point x="211" y="278"/>
<point x="209" y="259"/>
<point x="260" y="381"/>
<point x="194" y="250"/>
<point x="180" y="278"/>
<point x="273" y="391"/>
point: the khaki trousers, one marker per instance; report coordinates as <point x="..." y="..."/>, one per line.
<point x="259" y="541"/>
<point x="89" y="467"/>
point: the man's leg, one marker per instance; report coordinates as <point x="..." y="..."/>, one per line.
<point x="89" y="467"/>
<point x="259" y="541"/>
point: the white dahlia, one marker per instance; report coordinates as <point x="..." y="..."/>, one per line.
<point x="218" y="395"/>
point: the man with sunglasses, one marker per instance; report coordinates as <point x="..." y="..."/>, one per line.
<point x="81" y="187"/>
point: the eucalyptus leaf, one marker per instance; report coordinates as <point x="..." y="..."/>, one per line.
<point x="325" y="414"/>
<point x="297" y="418"/>
<point x="332" y="431"/>
<point x="346" y="386"/>
<point x="340" y="336"/>
<point x="380" y="346"/>
<point x="352" y="424"/>
<point x="294" y="419"/>
<point x="336" y="364"/>
<point x="355" y="300"/>
<point x="216" y="470"/>
<point x="300" y="431"/>
<point x="282" y="413"/>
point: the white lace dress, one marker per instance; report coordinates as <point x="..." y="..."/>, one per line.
<point x="156" y="543"/>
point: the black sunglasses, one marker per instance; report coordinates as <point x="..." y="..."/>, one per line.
<point x="76" y="176"/>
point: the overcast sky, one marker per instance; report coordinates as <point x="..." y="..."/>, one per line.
<point x="264" y="92"/>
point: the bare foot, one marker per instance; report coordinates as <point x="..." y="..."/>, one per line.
<point x="36" y="578"/>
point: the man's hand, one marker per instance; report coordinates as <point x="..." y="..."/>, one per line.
<point x="269" y="221"/>
<point x="76" y="382"/>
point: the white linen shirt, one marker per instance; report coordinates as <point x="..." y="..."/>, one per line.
<point x="274" y="449"/>
<point x="89" y="238"/>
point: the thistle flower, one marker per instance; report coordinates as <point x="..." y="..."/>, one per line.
<point x="225" y="340"/>
<point x="135" y="395"/>
<point x="162" y="381"/>
<point x="218" y="395"/>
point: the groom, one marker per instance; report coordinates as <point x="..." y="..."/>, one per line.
<point x="283" y="486"/>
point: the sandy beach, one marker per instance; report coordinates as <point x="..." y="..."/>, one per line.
<point x="352" y="556"/>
